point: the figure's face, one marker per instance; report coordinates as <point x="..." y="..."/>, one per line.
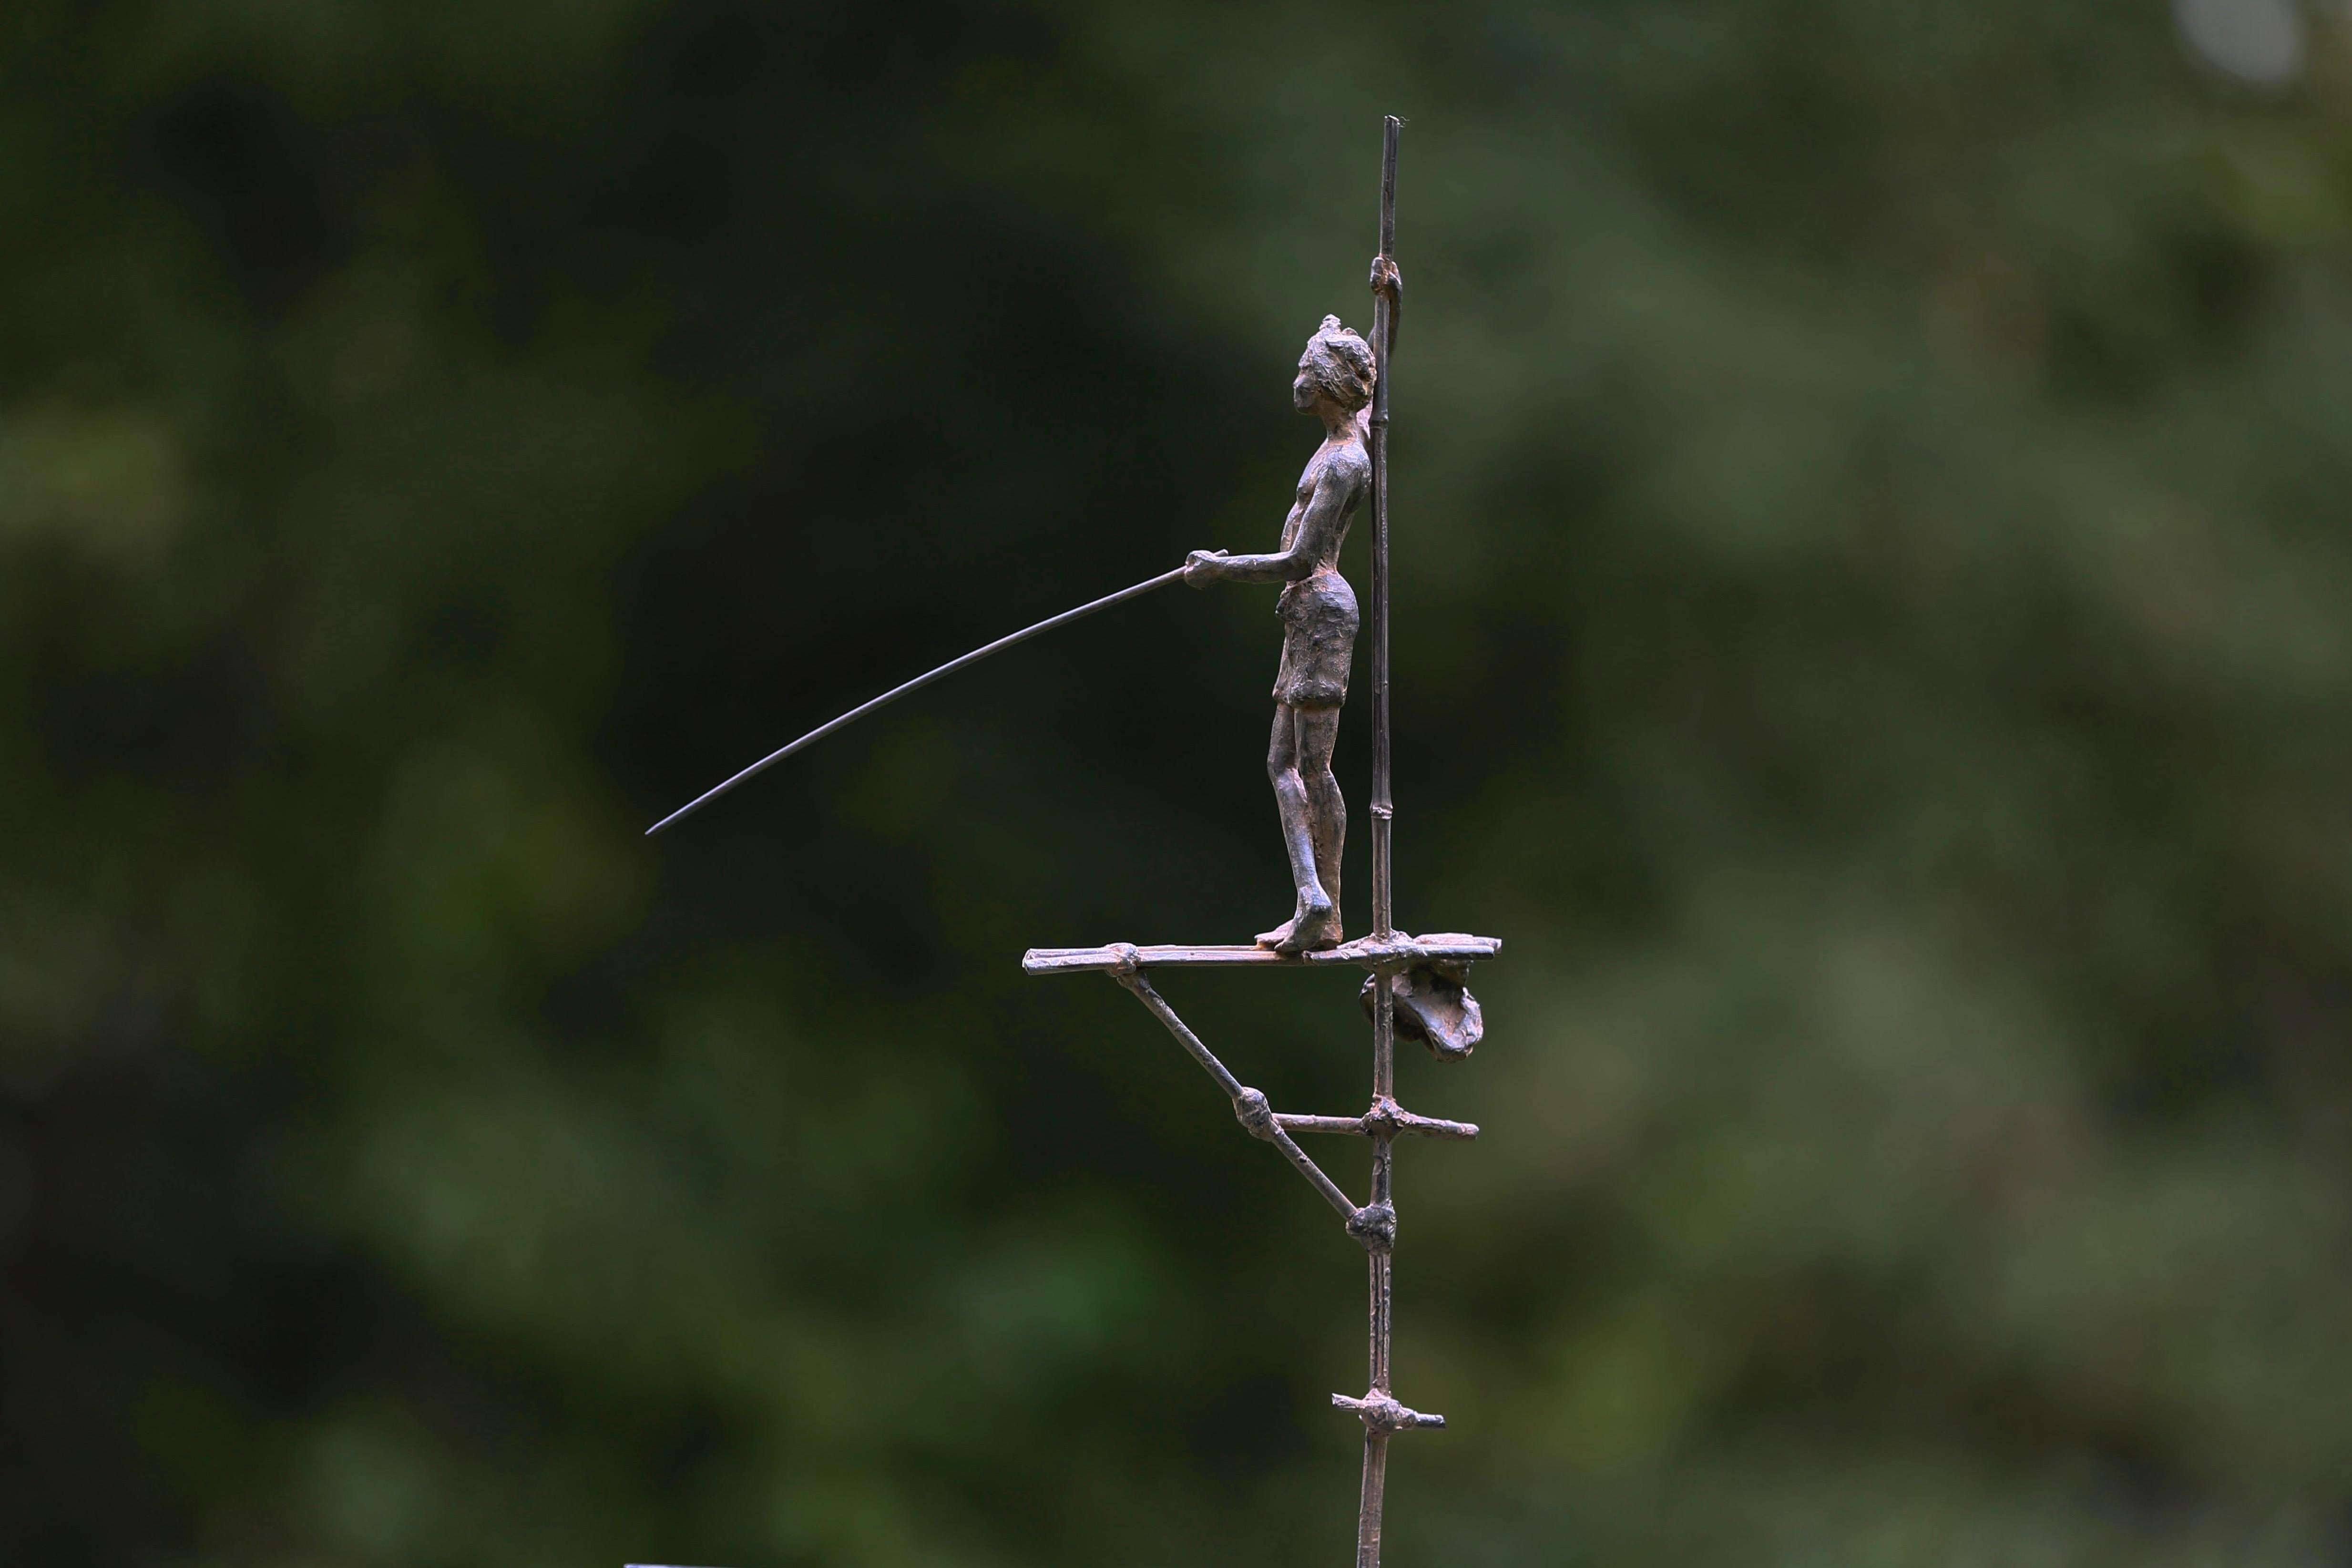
<point x="1302" y="389"/>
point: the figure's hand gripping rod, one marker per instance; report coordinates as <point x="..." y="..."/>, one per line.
<point x="895" y="692"/>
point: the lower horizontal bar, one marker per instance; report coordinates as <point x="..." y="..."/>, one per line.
<point x="1398" y="1123"/>
<point x="1381" y="1413"/>
<point x="1395" y="951"/>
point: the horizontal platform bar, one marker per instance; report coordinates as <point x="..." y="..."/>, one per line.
<point x="1397" y="952"/>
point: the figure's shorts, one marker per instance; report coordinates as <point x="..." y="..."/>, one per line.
<point x="1319" y="641"/>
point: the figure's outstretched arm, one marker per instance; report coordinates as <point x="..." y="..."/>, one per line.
<point x="1326" y="513"/>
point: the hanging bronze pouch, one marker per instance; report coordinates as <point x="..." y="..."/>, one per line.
<point x="1433" y="1007"/>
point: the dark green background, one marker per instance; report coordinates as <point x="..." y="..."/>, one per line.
<point x="1875" y="638"/>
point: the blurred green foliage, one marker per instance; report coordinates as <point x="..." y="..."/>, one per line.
<point x="1874" y="637"/>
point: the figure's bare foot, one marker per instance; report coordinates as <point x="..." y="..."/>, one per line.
<point x="1315" y="926"/>
<point x="1314" y="931"/>
<point x="1279" y="935"/>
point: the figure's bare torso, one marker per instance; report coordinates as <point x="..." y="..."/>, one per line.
<point x="1343" y="466"/>
<point x="1317" y="608"/>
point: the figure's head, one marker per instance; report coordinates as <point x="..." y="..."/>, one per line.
<point x="1337" y="367"/>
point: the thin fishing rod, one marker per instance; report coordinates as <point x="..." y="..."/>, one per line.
<point x="895" y="692"/>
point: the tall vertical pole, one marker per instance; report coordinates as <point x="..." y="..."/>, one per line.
<point x="1384" y="336"/>
<point x="1376" y="1438"/>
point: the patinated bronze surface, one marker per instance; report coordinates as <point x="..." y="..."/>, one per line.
<point x="1414" y="985"/>
<point x="1319" y="618"/>
<point x="1433" y="1007"/>
<point x="1420" y="980"/>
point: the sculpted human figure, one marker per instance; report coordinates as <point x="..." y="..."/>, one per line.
<point x="1319" y="629"/>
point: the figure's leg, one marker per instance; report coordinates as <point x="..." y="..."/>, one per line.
<point x="1291" y="801"/>
<point x="1318" y="730"/>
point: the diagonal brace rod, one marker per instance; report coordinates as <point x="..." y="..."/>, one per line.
<point x="1249" y="1106"/>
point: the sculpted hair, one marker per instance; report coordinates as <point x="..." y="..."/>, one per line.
<point x="1341" y="364"/>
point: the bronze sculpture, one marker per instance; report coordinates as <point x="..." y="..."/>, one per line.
<point x="1415" y="986"/>
<point x="1335" y="382"/>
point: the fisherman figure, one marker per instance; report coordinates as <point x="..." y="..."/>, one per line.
<point x="1319" y="629"/>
